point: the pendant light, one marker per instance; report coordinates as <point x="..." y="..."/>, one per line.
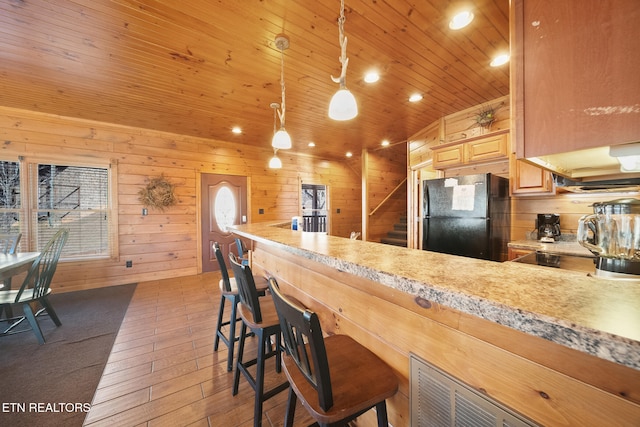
<point x="275" y="162"/>
<point x="343" y="105"/>
<point x="281" y="139"/>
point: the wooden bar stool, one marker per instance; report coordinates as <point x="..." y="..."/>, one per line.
<point x="229" y="291"/>
<point x="260" y="317"/>
<point x="335" y="378"/>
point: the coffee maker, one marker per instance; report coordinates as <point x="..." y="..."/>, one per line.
<point x="548" y="226"/>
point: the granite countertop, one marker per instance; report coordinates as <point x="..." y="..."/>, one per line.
<point x="597" y="316"/>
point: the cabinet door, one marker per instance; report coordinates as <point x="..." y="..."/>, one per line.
<point x="578" y="66"/>
<point x="448" y="156"/>
<point x="485" y="149"/>
<point x="528" y="179"/>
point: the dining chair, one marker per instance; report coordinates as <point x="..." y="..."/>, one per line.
<point x="8" y="245"/>
<point x="336" y="378"/>
<point x="229" y="292"/>
<point x="36" y="287"/>
<point x="260" y="317"/>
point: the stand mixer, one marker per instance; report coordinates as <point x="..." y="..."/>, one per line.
<point x="612" y="234"/>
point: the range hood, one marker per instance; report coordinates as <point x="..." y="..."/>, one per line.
<point x="592" y="163"/>
<point x="597" y="186"/>
<point x="590" y="170"/>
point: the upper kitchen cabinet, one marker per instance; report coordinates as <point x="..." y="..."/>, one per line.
<point x="575" y="75"/>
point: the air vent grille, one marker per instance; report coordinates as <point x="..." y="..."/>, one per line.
<point x="439" y="400"/>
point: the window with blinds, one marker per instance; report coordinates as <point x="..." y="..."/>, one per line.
<point x="62" y="196"/>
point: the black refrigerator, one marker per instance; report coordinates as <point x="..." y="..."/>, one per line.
<point x="467" y="215"/>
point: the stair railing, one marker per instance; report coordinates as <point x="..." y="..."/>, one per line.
<point x="388" y="196"/>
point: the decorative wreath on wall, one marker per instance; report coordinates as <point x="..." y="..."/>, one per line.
<point x="487" y="116"/>
<point x="159" y="193"/>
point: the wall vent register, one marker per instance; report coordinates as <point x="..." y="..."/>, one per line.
<point x="440" y="400"/>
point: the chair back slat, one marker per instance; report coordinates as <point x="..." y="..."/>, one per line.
<point x="242" y="249"/>
<point x="246" y="287"/>
<point x="226" y="282"/>
<point x="41" y="271"/>
<point x="9" y="243"/>
<point x="304" y="342"/>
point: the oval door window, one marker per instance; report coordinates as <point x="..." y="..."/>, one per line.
<point x="225" y="209"/>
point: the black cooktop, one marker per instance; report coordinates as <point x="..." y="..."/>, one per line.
<point x="565" y="262"/>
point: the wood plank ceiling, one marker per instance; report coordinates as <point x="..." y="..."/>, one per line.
<point x="200" y="67"/>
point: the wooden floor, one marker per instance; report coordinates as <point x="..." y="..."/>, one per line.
<point x="162" y="370"/>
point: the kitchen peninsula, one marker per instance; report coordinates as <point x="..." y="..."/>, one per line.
<point x="556" y="347"/>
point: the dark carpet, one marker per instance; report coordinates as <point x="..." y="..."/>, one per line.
<point x="53" y="384"/>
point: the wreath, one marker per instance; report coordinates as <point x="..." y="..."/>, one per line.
<point x="487" y="116"/>
<point x="159" y="193"/>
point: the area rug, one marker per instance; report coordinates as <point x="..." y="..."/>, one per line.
<point x="53" y="384"/>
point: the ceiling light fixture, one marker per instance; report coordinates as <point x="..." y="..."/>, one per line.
<point x="415" y="97"/>
<point x="343" y="104"/>
<point x="371" y="77"/>
<point x="461" y="20"/>
<point x="500" y="60"/>
<point x="275" y="162"/>
<point x="281" y="139"/>
<point x="236" y="130"/>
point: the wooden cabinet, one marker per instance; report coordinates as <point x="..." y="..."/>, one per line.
<point x="576" y="82"/>
<point x="444" y="157"/>
<point x="527" y="179"/>
<point x="517" y="253"/>
<point x="485" y="149"/>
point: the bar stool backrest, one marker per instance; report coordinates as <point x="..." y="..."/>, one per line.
<point x="242" y="249"/>
<point x="226" y="282"/>
<point x="304" y="342"/>
<point x="246" y="287"/>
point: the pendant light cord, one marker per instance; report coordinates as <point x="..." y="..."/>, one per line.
<point x="281" y="111"/>
<point x="343" y="49"/>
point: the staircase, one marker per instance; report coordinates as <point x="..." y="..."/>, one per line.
<point x="397" y="236"/>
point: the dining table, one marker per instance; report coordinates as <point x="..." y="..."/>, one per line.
<point x="14" y="264"/>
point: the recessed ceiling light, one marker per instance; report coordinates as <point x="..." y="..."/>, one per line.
<point x="237" y="130"/>
<point x="415" y="97"/>
<point x="349" y="154"/>
<point x="311" y="144"/>
<point x="371" y="77"/>
<point x="500" y="60"/>
<point x="461" y="20"/>
<point x="385" y="143"/>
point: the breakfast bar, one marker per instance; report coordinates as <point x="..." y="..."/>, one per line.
<point x="557" y="347"/>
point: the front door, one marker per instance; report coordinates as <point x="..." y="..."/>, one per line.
<point x="224" y="203"/>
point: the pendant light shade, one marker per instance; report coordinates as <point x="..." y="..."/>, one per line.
<point x="343" y="105"/>
<point x="275" y="162"/>
<point x="281" y="140"/>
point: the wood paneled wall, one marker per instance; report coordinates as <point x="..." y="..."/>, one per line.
<point x="386" y="168"/>
<point x="165" y="244"/>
